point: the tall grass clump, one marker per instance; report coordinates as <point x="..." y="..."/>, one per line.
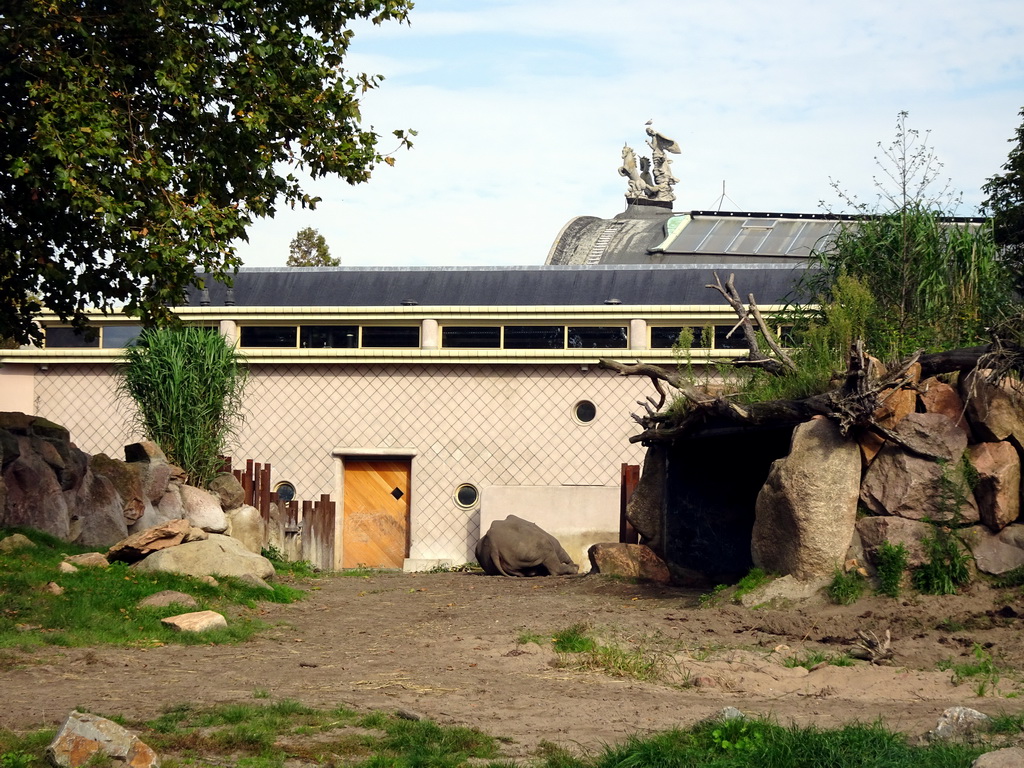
<point x="187" y="386"/>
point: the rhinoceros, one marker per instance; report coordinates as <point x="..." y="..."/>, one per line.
<point x="517" y="547"/>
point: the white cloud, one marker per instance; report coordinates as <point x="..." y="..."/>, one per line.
<point x="522" y="109"/>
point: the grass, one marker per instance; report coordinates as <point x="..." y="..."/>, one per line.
<point x="99" y="606"/>
<point x="846" y="588"/>
<point x="286" y="732"/>
<point x="579" y="650"/>
<point x="983" y="671"/>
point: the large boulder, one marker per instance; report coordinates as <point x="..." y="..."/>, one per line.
<point x="35" y="498"/>
<point x="998" y="487"/>
<point x="98" y="516"/>
<point x="644" y="509"/>
<point x="219" y="555"/>
<point x="939" y="397"/>
<point x="995" y="553"/>
<point x="994" y="409"/>
<point x="631" y="561"/>
<point x="900" y="483"/>
<point x="203" y="509"/>
<point x="246" y="524"/>
<point x="126" y="480"/>
<point x="805" y="513"/>
<point x="228" y="490"/>
<point x="896" y="530"/>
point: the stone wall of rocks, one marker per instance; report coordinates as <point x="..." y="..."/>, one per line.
<point x="47" y="483"/>
<point x="953" y="459"/>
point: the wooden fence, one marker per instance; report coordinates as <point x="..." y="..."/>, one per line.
<point x="301" y="530"/>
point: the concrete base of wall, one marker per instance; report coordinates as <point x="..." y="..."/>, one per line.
<point x="419" y="564"/>
<point x="579" y="516"/>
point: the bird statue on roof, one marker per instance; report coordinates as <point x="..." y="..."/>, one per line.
<point x="643" y="184"/>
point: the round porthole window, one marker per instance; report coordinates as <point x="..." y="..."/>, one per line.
<point x="466" y="495"/>
<point x="285" y="491"/>
<point x="584" y="411"/>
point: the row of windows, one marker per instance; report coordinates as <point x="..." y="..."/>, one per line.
<point x="408" y="337"/>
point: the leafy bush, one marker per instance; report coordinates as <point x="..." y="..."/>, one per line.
<point x="947" y="567"/>
<point x="846" y="588"/>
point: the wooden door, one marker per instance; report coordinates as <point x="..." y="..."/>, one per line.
<point x="376" y="513"/>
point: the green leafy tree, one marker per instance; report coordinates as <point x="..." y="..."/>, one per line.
<point x="1006" y="204"/>
<point x="309" y="249"/>
<point x="186" y="384"/>
<point x="137" y="141"/>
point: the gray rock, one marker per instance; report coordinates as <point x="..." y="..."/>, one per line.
<point x="203" y="509"/>
<point x="254" y="581"/>
<point x="786" y="589"/>
<point x="993" y="409"/>
<point x="933" y="434"/>
<point x="84" y="737"/>
<point x="228" y="490"/>
<point x="806" y="511"/>
<point x="644" y="509"/>
<point x="959" y="724"/>
<point x="98" y="516"/>
<point x="245" y="523"/>
<point x="1011" y="757"/>
<point x="88" y="559"/>
<point x="14" y="542"/>
<point x="221" y="555"/>
<point x="631" y="561"/>
<point x="993" y="553"/>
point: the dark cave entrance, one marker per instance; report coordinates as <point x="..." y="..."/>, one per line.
<point x="712" y="482"/>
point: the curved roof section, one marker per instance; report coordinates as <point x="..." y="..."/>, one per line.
<point x="656" y="236"/>
<point x="494" y="286"/>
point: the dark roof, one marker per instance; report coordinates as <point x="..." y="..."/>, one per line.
<point x="498" y="286"/>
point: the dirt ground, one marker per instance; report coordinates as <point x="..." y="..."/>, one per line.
<point x="447" y="646"/>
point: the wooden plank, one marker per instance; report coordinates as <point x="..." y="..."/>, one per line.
<point x="376" y="513"/>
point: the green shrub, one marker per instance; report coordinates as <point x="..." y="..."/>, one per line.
<point x="186" y="384"/>
<point x="947" y="567"/>
<point x="891" y="561"/>
<point x="846" y="588"/>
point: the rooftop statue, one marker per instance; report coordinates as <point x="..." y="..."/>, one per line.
<point x="641" y="182"/>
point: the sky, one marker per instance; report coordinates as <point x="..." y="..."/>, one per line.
<point x="522" y="108"/>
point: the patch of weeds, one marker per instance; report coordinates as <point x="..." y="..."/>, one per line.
<point x="461" y="568"/>
<point x="24" y="750"/>
<point x="812" y="659"/>
<point x="359" y="572"/>
<point x="714" y="597"/>
<point x="846" y="588"/>
<point x="1013" y="578"/>
<point x="891" y="562"/>
<point x="983" y="667"/>
<point x="947" y="567"/>
<point x="525" y="638"/>
<point x="261" y="693"/>
<point x="756" y="578"/>
<point x="951" y="625"/>
<point x="573" y="639"/>
<point x="1005" y="723"/>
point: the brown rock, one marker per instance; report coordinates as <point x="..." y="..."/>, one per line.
<point x="126" y="480"/>
<point x="14" y="542"/>
<point x="228" y="490"/>
<point x="1009" y="757"/>
<point x="199" y="621"/>
<point x="83" y="738"/>
<point x="940" y="397"/>
<point x="805" y="513"/>
<point x="934" y="435"/>
<point x="66" y="567"/>
<point x="901" y="403"/>
<point x="998" y="486"/>
<point x="896" y="530"/>
<point x="53" y="588"/>
<point x="898" y="483"/>
<point x="139" y="545"/>
<point x="632" y="561"/>
<point x="993" y="409"/>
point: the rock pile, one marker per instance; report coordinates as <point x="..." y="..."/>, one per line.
<point x="952" y="458"/>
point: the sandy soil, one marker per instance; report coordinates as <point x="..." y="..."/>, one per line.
<point x="447" y="646"/>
